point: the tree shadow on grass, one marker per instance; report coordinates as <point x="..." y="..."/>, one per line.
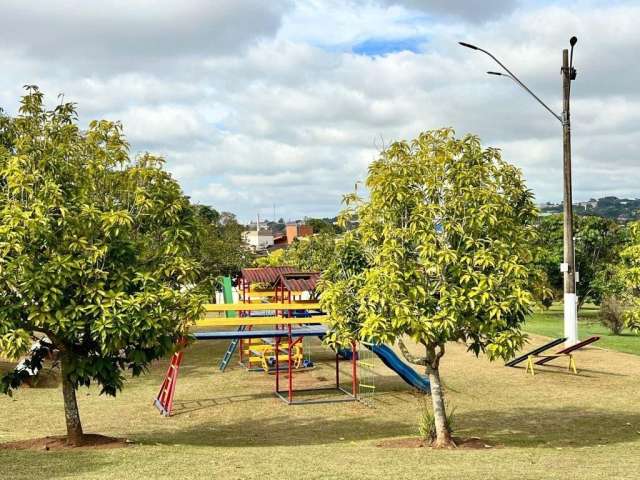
<point x="552" y="427"/>
<point x="283" y="430"/>
<point x="535" y="427"/>
<point x="181" y="407"/>
<point x="25" y="464"/>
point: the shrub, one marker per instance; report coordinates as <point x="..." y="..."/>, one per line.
<point x="427" y="421"/>
<point x="612" y="314"/>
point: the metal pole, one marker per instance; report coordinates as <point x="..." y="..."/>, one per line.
<point x="289" y="369"/>
<point x="354" y="369"/>
<point x="570" y="299"/>
<point x="277" y="366"/>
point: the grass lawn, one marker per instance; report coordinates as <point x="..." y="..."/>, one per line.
<point x="554" y="425"/>
<point x="549" y="323"/>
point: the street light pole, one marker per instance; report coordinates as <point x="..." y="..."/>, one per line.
<point x="570" y="298"/>
<point x="568" y="267"/>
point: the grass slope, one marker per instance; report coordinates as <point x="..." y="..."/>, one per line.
<point x="549" y="323"/>
<point x="229" y="426"/>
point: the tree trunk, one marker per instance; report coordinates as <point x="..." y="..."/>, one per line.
<point x="75" y="436"/>
<point x="443" y="434"/>
<point x="582" y="299"/>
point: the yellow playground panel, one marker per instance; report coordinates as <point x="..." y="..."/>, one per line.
<point x="267" y="320"/>
<point x="257" y="353"/>
<point x="252" y="307"/>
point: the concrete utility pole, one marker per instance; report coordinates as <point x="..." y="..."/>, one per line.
<point x="568" y="267"/>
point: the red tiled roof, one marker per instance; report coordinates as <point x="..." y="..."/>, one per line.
<point x="265" y="274"/>
<point x="299" y="281"/>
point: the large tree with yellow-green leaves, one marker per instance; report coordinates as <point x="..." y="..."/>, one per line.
<point x="94" y="252"/>
<point x="629" y="275"/>
<point x="443" y="253"/>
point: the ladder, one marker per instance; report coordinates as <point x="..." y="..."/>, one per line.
<point x="230" y="350"/>
<point x="164" y="400"/>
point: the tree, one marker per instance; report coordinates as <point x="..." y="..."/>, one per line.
<point x="276" y="258"/>
<point x="630" y="274"/>
<point x="323" y="225"/>
<point x="311" y="254"/>
<point x="308" y="254"/>
<point x="218" y="247"/>
<point x="598" y="241"/>
<point x="443" y="253"/>
<point x="94" y="257"/>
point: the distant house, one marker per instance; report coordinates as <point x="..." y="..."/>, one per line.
<point x="258" y="240"/>
<point x="295" y="230"/>
<point x="292" y="231"/>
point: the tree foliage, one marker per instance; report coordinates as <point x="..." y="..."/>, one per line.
<point x="598" y="242"/>
<point x="308" y="254"/>
<point x="323" y="225"/>
<point x="443" y="252"/>
<point x="630" y="273"/>
<point x="94" y="250"/>
<point x="218" y="247"/>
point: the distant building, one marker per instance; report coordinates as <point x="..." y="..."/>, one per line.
<point x="295" y="230"/>
<point x="258" y="240"/>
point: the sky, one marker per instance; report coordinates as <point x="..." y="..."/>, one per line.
<point x="280" y="105"/>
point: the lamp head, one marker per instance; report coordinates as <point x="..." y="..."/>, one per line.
<point x="468" y="45"/>
<point x="573" y="41"/>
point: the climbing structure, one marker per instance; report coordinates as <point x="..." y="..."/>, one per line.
<point x="284" y="312"/>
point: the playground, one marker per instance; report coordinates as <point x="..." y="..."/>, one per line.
<point x="517" y="425"/>
<point x="276" y="327"/>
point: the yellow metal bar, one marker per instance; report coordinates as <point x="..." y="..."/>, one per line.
<point x="240" y="307"/>
<point x="372" y="387"/>
<point x="530" y="366"/>
<point x="268" y="293"/>
<point x="370" y="365"/>
<point x="259" y="295"/>
<point x="237" y="321"/>
<point x="572" y="364"/>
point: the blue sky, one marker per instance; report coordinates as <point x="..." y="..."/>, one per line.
<point x="286" y="102"/>
<point x="382" y="46"/>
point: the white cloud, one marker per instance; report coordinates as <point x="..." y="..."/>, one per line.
<point x="119" y="31"/>
<point x="261" y="103"/>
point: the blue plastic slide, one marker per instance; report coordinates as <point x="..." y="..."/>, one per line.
<point x="408" y="374"/>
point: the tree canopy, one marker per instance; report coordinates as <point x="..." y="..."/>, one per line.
<point x="218" y="247"/>
<point x="94" y="250"/>
<point x="630" y="273"/>
<point x="308" y="254"/>
<point x="323" y="225"/>
<point x="598" y="242"/>
<point x="443" y="252"/>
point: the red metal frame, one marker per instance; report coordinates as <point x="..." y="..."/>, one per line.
<point x="164" y="399"/>
<point x="568" y="350"/>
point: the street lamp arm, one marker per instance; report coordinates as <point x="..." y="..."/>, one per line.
<point x="513" y="77"/>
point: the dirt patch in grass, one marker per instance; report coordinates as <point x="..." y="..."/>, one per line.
<point x="472" y="443"/>
<point x="91" y="442"/>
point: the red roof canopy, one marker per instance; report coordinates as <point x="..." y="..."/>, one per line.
<point x="299" y="281"/>
<point x="265" y="274"/>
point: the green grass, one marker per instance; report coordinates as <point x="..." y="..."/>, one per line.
<point x="554" y="425"/>
<point x="549" y="323"/>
